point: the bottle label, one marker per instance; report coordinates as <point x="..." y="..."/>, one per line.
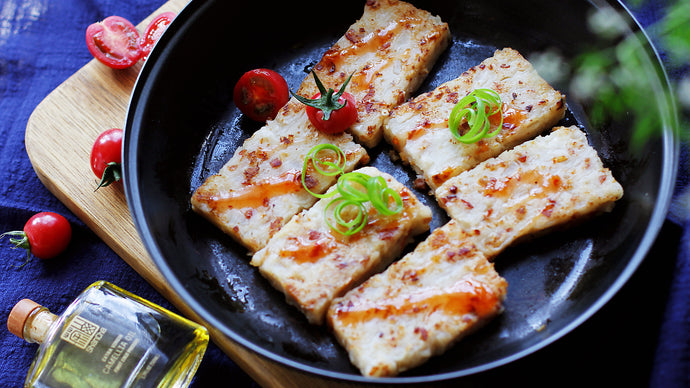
<point x="83" y="333"/>
<point x="120" y="350"/>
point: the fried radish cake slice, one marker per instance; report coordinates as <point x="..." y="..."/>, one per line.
<point x="389" y="51"/>
<point x="418" y="129"/>
<point x="419" y="306"/>
<point x="548" y="181"/>
<point x="259" y="189"/>
<point x="312" y="264"/>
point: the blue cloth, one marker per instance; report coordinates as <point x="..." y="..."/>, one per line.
<point x="642" y="337"/>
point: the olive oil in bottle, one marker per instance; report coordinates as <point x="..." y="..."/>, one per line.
<point x="106" y="338"/>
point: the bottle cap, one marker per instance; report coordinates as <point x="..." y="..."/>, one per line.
<point x="17" y="318"/>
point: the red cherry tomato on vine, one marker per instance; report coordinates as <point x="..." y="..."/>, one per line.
<point x="260" y="93"/>
<point x="114" y="42"/>
<point x="340" y="120"/>
<point x="329" y="111"/>
<point x="106" y="157"/>
<point x="45" y="235"/>
<point x="154" y="31"/>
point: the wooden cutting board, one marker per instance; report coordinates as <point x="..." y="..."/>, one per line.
<point x="59" y="137"/>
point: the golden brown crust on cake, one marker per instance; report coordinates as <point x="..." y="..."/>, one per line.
<point x="420" y="306"/>
<point x="418" y="129"/>
<point x="389" y="51"/>
<point x="312" y="264"/>
<point x="549" y="181"/>
<point x="259" y="189"/>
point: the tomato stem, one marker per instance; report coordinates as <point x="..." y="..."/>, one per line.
<point x="327" y="102"/>
<point x="21" y="242"/>
<point x="112" y="173"/>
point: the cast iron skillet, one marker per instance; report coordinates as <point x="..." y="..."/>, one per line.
<point x="182" y="126"/>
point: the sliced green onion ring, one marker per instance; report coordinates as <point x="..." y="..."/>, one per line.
<point x="354" y="186"/>
<point x="380" y="196"/>
<point x="475" y="109"/>
<point x="344" y="207"/>
<point x="323" y="166"/>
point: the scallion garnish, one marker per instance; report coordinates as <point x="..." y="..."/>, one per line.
<point x="322" y="165"/>
<point x="475" y="109"/>
<point x="355" y="189"/>
<point x="353" y="223"/>
<point x="381" y="195"/>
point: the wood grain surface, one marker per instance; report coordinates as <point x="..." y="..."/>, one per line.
<point x="59" y="137"/>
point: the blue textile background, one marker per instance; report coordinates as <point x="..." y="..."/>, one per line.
<point x="640" y="338"/>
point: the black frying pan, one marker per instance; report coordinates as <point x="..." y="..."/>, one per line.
<point x="182" y="126"/>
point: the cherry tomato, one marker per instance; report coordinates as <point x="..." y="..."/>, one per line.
<point x="330" y="112"/>
<point x="340" y="119"/>
<point x="260" y="93"/>
<point x="45" y="234"/>
<point x="106" y="157"/>
<point x="154" y="31"/>
<point x="114" y="42"/>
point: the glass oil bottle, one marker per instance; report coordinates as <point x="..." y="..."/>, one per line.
<point x="108" y="337"/>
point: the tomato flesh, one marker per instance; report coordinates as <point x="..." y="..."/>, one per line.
<point x="154" y="31"/>
<point x="48" y="234"/>
<point x="260" y="93"/>
<point x="339" y="120"/>
<point x="114" y="42"/>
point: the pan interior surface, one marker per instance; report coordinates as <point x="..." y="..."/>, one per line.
<point x="182" y="127"/>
